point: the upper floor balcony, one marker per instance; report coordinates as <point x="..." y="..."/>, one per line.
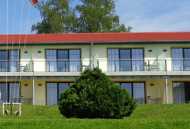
<point x="145" y="66"/>
<point x="73" y="67"/>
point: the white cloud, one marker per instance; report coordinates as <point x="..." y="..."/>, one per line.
<point x="159" y="15"/>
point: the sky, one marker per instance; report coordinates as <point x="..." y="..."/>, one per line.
<point x="17" y="16"/>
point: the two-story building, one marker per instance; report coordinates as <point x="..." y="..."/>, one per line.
<point x="153" y="67"/>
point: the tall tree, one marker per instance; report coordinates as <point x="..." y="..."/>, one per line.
<point x="56" y="16"/>
<point x="98" y="16"/>
<point x="87" y="16"/>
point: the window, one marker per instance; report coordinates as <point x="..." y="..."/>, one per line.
<point x="14" y="92"/>
<point x="113" y="60"/>
<point x="9" y="92"/>
<point x="54" y="91"/>
<point x="139" y="92"/>
<point x="137" y="59"/>
<point x="181" y="92"/>
<point x="136" y="91"/>
<point x="186" y="60"/>
<point x="51" y="93"/>
<point x="51" y="60"/>
<point x="128" y="87"/>
<point x="181" y="59"/>
<point x="74" y="63"/>
<point x="63" y="60"/>
<point x="9" y="60"/>
<point x="125" y="59"/>
<point x="14" y="60"/>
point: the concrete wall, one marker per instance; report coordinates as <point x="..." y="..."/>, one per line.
<point x="155" y="91"/>
<point x="26" y="90"/>
<point x="40" y="92"/>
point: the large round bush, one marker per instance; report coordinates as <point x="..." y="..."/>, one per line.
<point x="94" y="95"/>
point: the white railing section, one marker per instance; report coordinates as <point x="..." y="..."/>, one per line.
<point x="107" y="65"/>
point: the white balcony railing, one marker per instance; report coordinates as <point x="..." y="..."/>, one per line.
<point x="125" y="65"/>
<point x="106" y="65"/>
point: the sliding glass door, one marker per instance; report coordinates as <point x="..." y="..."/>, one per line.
<point x="135" y="90"/>
<point x="128" y="87"/>
<point x="139" y="92"/>
<point x="178" y="93"/>
<point x="61" y="88"/>
<point x="9" y="60"/>
<point x="4" y="61"/>
<point x="137" y="59"/>
<point x="14" y="92"/>
<point x="9" y="92"/>
<point x="186" y="62"/>
<point x="51" y="93"/>
<point x="125" y="59"/>
<point x="113" y="60"/>
<point x="74" y="60"/>
<point x="51" y="60"/>
<point x="54" y="91"/>
<point x="63" y="60"/>
<point x="181" y="92"/>
<point x="3" y="92"/>
<point x="181" y="59"/>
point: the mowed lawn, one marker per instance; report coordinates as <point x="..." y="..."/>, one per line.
<point x="144" y="117"/>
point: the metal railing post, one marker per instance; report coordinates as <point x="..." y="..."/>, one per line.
<point x="98" y="64"/>
<point x="32" y="63"/>
<point x="166" y="65"/>
<point x="81" y="65"/>
<point x="148" y="65"/>
<point x="115" y="68"/>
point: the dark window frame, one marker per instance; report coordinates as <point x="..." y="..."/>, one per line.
<point x="8" y="61"/>
<point x="8" y="88"/>
<point x="184" y="82"/>
<point x="57" y="86"/>
<point x="130" y="60"/>
<point x="131" y="63"/>
<point x="183" y="59"/>
<point x="132" y="89"/>
<point x="67" y="49"/>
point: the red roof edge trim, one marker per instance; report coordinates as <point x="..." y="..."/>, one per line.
<point x="95" y="37"/>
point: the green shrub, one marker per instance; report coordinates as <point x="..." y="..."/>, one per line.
<point x="94" y="95"/>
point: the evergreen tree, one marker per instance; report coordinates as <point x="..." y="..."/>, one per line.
<point x="94" y="95"/>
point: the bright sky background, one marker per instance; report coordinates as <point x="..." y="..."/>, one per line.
<point x="17" y="16"/>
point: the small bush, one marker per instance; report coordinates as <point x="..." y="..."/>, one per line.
<point x="94" y="95"/>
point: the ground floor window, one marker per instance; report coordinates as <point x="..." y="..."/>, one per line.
<point x="9" y="92"/>
<point x="181" y="92"/>
<point x="53" y="92"/>
<point x="136" y="90"/>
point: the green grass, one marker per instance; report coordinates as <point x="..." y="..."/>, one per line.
<point x="144" y="117"/>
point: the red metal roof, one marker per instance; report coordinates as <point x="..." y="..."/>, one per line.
<point x="95" y="37"/>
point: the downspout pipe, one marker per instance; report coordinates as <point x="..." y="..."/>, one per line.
<point x="91" y="55"/>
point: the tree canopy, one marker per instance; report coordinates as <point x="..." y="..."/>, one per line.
<point x="87" y="16"/>
<point x="94" y="95"/>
